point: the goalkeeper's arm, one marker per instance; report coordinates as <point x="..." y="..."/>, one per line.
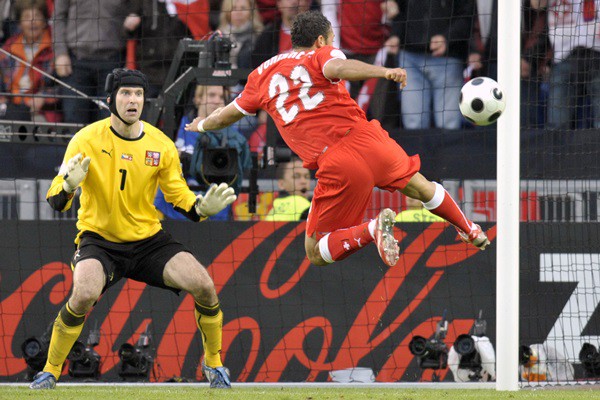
<point x="73" y="173"/>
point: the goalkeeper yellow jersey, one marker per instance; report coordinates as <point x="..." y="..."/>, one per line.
<point x="117" y="195"/>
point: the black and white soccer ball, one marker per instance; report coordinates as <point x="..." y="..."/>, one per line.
<point x="482" y="101"/>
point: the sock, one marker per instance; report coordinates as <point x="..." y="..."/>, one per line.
<point x="210" y="322"/>
<point x="337" y="245"/>
<point x="443" y="205"/>
<point x="67" y="328"/>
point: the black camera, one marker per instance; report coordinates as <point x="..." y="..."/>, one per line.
<point x="216" y="52"/>
<point x="431" y="353"/>
<point x="136" y="361"/>
<point x="220" y="165"/>
<point x="525" y="354"/>
<point x="35" y="352"/>
<point x="590" y="359"/>
<point x="84" y="361"/>
<point x="470" y="358"/>
<point x="465" y="346"/>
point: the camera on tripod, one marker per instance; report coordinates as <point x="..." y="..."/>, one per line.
<point x="136" y="361"/>
<point x="216" y="52"/>
<point x="472" y="357"/>
<point x="35" y="353"/>
<point x="590" y="360"/>
<point x="431" y="353"/>
<point x="84" y="361"/>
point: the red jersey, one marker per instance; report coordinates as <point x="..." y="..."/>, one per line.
<point x="311" y="112"/>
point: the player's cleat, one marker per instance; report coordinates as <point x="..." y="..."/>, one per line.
<point x="43" y="380"/>
<point x="218" y="377"/>
<point x="476" y="237"/>
<point x="387" y="245"/>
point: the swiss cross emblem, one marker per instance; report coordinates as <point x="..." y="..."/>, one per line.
<point x="346" y="244"/>
<point x="152" y="158"/>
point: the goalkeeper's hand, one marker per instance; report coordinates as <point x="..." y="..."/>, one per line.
<point x="77" y="169"/>
<point x="215" y="199"/>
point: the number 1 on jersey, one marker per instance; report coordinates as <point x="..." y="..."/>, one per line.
<point x="123" y="176"/>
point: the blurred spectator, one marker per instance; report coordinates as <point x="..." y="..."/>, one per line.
<point x="276" y="38"/>
<point x="34" y="45"/>
<point x="293" y="202"/>
<point x="575" y="73"/>
<point x="206" y="99"/>
<point x="8" y="21"/>
<point x="158" y="33"/>
<point x="415" y="212"/>
<point x="360" y="29"/>
<point x="267" y="10"/>
<point x="433" y="37"/>
<point x="240" y="21"/>
<point x="89" y="42"/>
<point x="483" y="60"/>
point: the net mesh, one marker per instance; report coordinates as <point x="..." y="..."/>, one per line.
<point x="286" y="320"/>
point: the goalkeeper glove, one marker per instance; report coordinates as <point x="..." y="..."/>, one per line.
<point x="215" y="199"/>
<point x="76" y="172"/>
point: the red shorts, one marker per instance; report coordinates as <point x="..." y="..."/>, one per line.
<point x="349" y="170"/>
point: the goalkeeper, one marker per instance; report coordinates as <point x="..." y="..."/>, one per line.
<point x="119" y="162"/>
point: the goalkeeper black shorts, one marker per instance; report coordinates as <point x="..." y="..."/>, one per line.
<point x="142" y="261"/>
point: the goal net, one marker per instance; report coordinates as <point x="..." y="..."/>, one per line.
<point x="433" y="317"/>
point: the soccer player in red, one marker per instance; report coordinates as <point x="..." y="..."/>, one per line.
<point x="304" y="93"/>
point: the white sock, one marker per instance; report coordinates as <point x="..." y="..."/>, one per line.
<point x="437" y="199"/>
<point x="324" y="249"/>
<point x="372" y="228"/>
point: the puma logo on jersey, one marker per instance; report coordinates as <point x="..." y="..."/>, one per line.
<point x="108" y="152"/>
<point x="358" y="242"/>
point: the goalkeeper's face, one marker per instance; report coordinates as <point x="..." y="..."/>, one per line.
<point x="130" y="103"/>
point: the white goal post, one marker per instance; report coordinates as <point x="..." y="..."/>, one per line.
<point x="507" y="241"/>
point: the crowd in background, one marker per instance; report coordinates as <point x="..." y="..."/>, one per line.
<point x="441" y="43"/>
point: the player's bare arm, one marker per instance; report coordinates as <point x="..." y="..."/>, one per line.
<point x="354" y="70"/>
<point x="221" y="118"/>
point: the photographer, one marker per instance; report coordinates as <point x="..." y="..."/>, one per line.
<point x="192" y="146"/>
<point x="472" y="359"/>
<point x="542" y="362"/>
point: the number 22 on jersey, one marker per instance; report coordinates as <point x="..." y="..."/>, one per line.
<point x="279" y="86"/>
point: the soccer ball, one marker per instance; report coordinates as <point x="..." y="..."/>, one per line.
<point x="482" y="101"/>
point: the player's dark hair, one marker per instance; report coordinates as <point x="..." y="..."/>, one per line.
<point x="307" y="27"/>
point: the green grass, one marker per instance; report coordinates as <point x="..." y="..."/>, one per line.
<point x="284" y="393"/>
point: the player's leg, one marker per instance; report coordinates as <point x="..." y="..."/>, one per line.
<point x="184" y="272"/>
<point x="335" y="227"/>
<point x="437" y="200"/>
<point x="339" y="244"/>
<point x="88" y="280"/>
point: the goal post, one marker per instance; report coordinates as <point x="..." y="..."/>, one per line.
<point x="507" y="241"/>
